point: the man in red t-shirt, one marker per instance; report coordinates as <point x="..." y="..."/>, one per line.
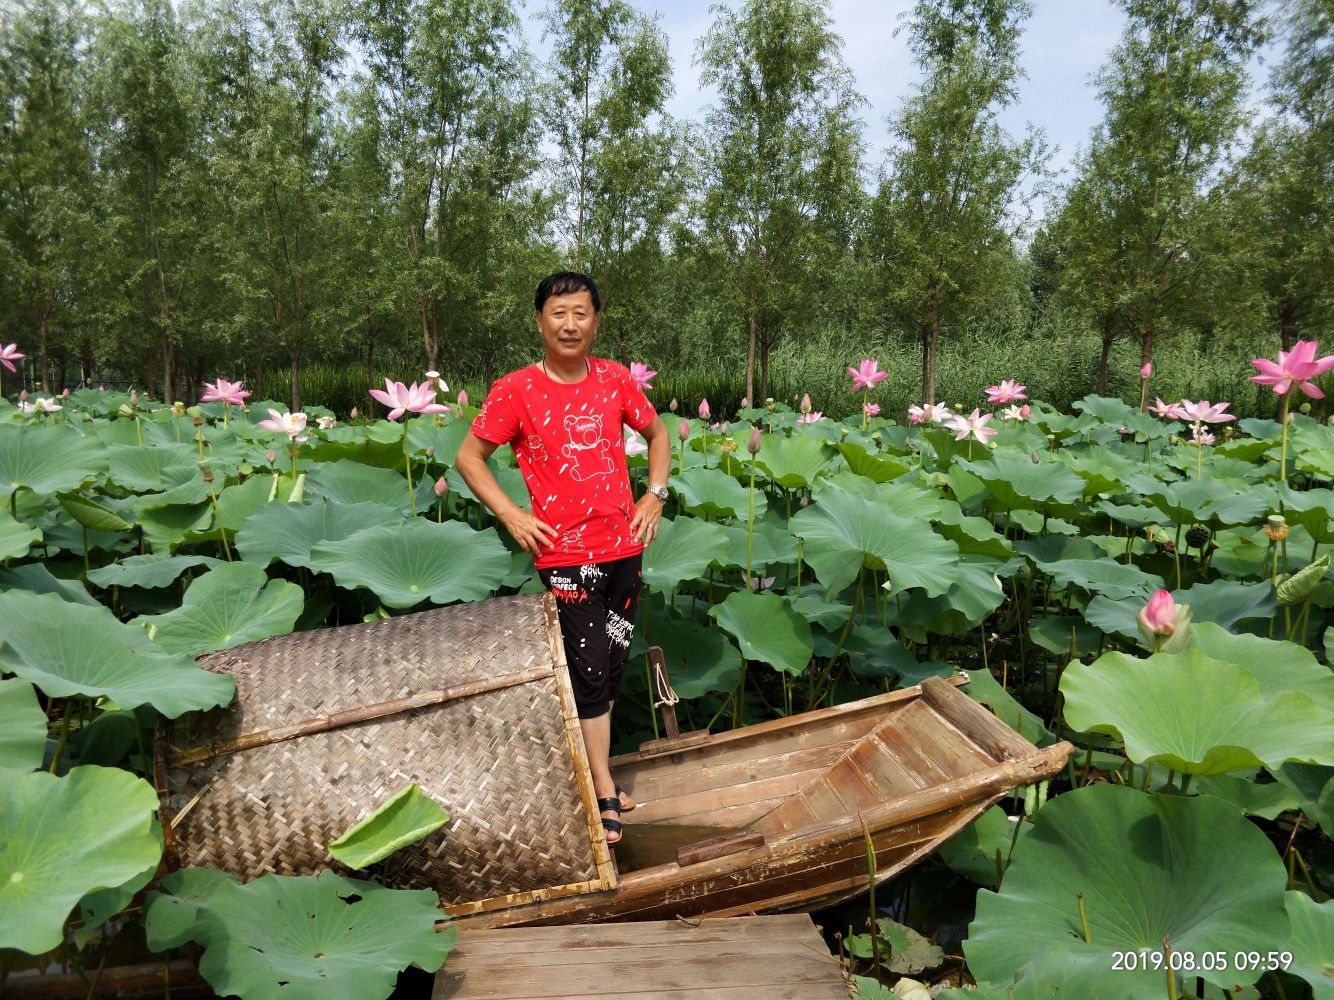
<point x="563" y="416"/>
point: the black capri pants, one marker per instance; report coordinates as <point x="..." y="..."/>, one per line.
<point x="597" y="603"/>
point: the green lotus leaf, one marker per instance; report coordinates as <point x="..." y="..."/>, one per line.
<point x="1251" y="797"/>
<point x="1312" y="932"/>
<point x="863" y="461"/>
<point x="1114" y="580"/>
<point x="322" y="937"/>
<point x="151" y="469"/>
<point x="1225" y="603"/>
<point x="170" y="913"/>
<point x="1301" y="585"/>
<point x="1053" y="634"/>
<point x="231" y="604"/>
<point x="1018" y="483"/>
<point x="1193" y="713"/>
<point x="711" y="493"/>
<point x="101" y="905"/>
<point x="48" y="459"/>
<point x="23" y="734"/>
<point x="405" y="564"/>
<point x="986" y="690"/>
<point x="404" y="818"/>
<point x="1202" y="501"/>
<point x="962" y="608"/>
<point x="423" y="434"/>
<point x="775" y="532"/>
<point x="349" y="482"/>
<point x="91" y="514"/>
<point x="973" y="535"/>
<point x="1100" y="468"/>
<point x="150" y="571"/>
<point x="844" y="533"/>
<point x="908" y="501"/>
<point x="767" y="629"/>
<point x="873" y="651"/>
<point x="1312" y="509"/>
<point x="683" y="550"/>
<point x="1191" y="870"/>
<point x="62" y="838"/>
<point x="110" y="736"/>
<point x="1313" y="787"/>
<point x="510" y="480"/>
<point x="699" y="658"/>
<point x="903" y="950"/>
<point x="812" y="606"/>
<point x="237" y="503"/>
<point x="793" y="462"/>
<point x="969" y="491"/>
<point x="1046" y="549"/>
<point x="1277" y="665"/>
<point x="761" y="552"/>
<point x="166" y="527"/>
<point x="972" y="851"/>
<point x="1107" y="409"/>
<point x="181" y="484"/>
<point x="1133" y="515"/>
<point x="16" y="537"/>
<point x="379" y="444"/>
<point x="37" y="579"/>
<point x="71" y="649"/>
<point x="288" y="531"/>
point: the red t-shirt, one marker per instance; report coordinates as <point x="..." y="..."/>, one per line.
<point x="568" y="443"/>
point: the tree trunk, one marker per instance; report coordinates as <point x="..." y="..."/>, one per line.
<point x="750" y="357"/>
<point x="259" y="359"/>
<point x="1107" y="331"/>
<point x="86" y="362"/>
<point x="930" y="333"/>
<point x="1285" y="329"/>
<point x="764" y="365"/>
<point x="295" y="357"/>
<point x="150" y="375"/>
<point x="46" y="379"/>
<point x="64" y="369"/>
<point x="370" y="368"/>
<point x="168" y="371"/>
<point x="1146" y="348"/>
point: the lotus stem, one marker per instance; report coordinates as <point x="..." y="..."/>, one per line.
<point x="1171" y="973"/>
<point x="14" y="504"/>
<point x="1000" y="872"/>
<point x="1283" y="449"/>
<point x="86" y="568"/>
<point x="1088" y="762"/>
<point x="407" y="465"/>
<point x="222" y="531"/>
<point x="1296" y="857"/>
<point x="870" y="876"/>
<point x="64" y="737"/>
<point x="1148" y="774"/>
<point x="1278" y="986"/>
<point x="750" y="525"/>
<point x="1084" y="918"/>
<point x="225" y="408"/>
<point x="1185" y="781"/>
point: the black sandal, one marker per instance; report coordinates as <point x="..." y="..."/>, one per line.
<point x="611" y="825"/>
<point x="619" y="792"/>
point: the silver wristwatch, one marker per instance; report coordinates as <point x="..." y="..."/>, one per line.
<point x="660" y="492"/>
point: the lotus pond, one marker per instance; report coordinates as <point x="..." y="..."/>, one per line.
<point x="1185" y="852"/>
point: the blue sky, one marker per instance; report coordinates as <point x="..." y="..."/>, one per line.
<point x="1065" y="42"/>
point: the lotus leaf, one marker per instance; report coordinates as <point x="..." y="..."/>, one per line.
<point x="1202" y="501"/>
<point x="323" y="937"/>
<point x="1312" y="509"/>
<point x="16" y="537"/>
<point x="973" y="535"/>
<point x="110" y="736"/>
<point x="767" y="629"/>
<point x="1133" y="515"/>
<point x="793" y="462"/>
<point x="289" y="532"/>
<point x="1053" y="634"/>
<point x="986" y="690"/>
<point x="1107" y="409"/>
<point x="968" y="602"/>
<point x="907" y="952"/>
<point x="843" y="533"/>
<point x="171" y="912"/>
<point x="151" y="470"/>
<point x="62" y="838"/>
<point x="1191" y="870"/>
<point x="683" y="550"/>
<point x="510" y="480"/>
<point x="1312" y="932"/>
<point x="231" y="604"/>
<point x="48" y="459"/>
<point x="349" y="482"/>
<point x="405" y="564"/>
<point x="1277" y="665"/>
<point x="1193" y="713"/>
<point x="101" y="905"/>
<point x="91" y="514"/>
<point x="969" y="491"/>
<point x="23" y="735"/>
<point x="1251" y="797"/>
<point x="166" y="527"/>
<point x="972" y="851"/>
<point x="1100" y="469"/>
<point x="36" y="578"/>
<point x="699" y="658"/>
<point x="1018" y="484"/>
<point x="1225" y="603"/>
<point x="761" y="552"/>
<point x="404" y="818"/>
<point x="71" y="649"/>
<point x="908" y="501"/>
<point x="812" y="606"/>
<point x="711" y="493"/>
<point x="423" y="434"/>
<point x="1313" y="787"/>
<point x="150" y="571"/>
<point x="1047" y="549"/>
<point x="865" y="462"/>
<point x="1114" y="580"/>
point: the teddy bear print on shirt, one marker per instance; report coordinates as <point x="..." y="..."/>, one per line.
<point x="587" y="448"/>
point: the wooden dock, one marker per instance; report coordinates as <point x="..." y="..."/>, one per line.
<point x="739" y="958"/>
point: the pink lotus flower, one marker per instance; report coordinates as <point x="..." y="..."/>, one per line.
<point x="974" y="426"/>
<point x="642" y="376"/>
<point x="441" y="487"/>
<point x="326" y="423"/>
<point x="759" y="583"/>
<point x="1013" y="412"/>
<point x="810" y="418"/>
<point x="928" y="414"/>
<point x="8" y="355"/>
<point x="401" y="398"/>
<point x="1203" y="412"/>
<point x="634" y="444"/>
<point x="1158" y="616"/>
<point x="1007" y="392"/>
<point x="463" y="397"/>
<point x="703" y="409"/>
<point x="1200" y="436"/>
<point x="1294" y="369"/>
<point x="871" y="409"/>
<point x="1147" y="370"/>
<point x="1169" y="411"/>
<point x="291" y="424"/>
<point x="866" y="375"/>
<point x="227" y="393"/>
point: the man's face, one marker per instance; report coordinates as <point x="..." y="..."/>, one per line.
<point x="568" y="325"/>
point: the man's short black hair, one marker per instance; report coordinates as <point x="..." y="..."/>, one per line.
<point x="565" y="283"/>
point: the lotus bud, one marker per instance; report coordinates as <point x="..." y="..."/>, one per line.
<point x="683" y="431"/>
<point x="1034" y="456"/>
<point x="353" y="414"/>
<point x="271" y="455"/>
<point x="1147" y="370"/>
<point x="1025" y="411"/>
<point x="806" y="403"/>
<point x="673" y="405"/>
<point x="803" y="502"/>
<point x="753" y="443"/>
<point x="463" y="397"/>
<point x="430" y="452"/>
<point x="1164" y="623"/>
<point x="1292" y="417"/>
<point x="101" y="388"/>
<point x="745" y="402"/>
<point x="23" y="394"/>
<point x="1331" y="421"/>
<point x="134" y="398"/>
<point x="843" y="434"/>
<point x="66" y="394"/>
<point x="1305" y="408"/>
<point x="441" y="487"/>
<point x="703" y="409"/>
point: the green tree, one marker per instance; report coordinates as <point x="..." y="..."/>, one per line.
<point x="784" y="147"/>
<point x="943" y="223"/>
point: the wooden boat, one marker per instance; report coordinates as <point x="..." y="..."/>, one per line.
<point x="473" y="702"/>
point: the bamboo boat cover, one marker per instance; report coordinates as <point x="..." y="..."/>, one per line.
<point x="499" y="749"/>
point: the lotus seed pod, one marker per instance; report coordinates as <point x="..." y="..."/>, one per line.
<point x="441" y="487"/>
<point x="1051" y="437"/>
<point x="843" y="434"/>
<point x="683" y="431"/>
<point x="178" y="409"/>
<point x="672" y="405"/>
<point x="753" y="443"/>
<point x="806" y="403"/>
<point x="271" y="455"/>
<point x="1305" y="408"/>
<point x="1197" y="536"/>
